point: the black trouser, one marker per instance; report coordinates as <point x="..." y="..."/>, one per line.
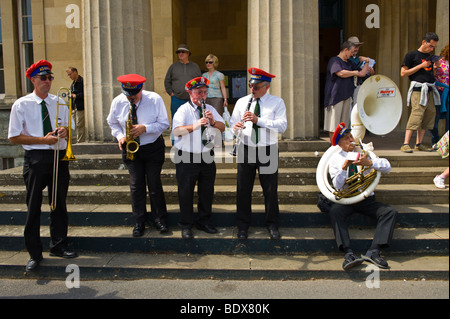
<point x="145" y="171"/>
<point x="38" y="174"/>
<point x="385" y="215"/>
<point x="247" y="167"/>
<point x="191" y="169"/>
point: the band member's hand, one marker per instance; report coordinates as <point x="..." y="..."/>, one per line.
<point x="238" y="126"/>
<point x="50" y="138"/>
<point x="122" y="141"/>
<point x="363" y="161"/>
<point x="209" y="116"/>
<point x="61" y="132"/>
<point x="250" y="117"/>
<point x="138" y="130"/>
<point x="347" y="163"/>
<point x="201" y="122"/>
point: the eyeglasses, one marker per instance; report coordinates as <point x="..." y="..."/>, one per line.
<point x="209" y="62"/>
<point x="44" y="78"/>
<point x="431" y="46"/>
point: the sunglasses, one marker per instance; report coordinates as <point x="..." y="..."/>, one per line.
<point x="44" y="78"/>
<point x="178" y="52"/>
<point x="209" y="62"/>
<point x="256" y="87"/>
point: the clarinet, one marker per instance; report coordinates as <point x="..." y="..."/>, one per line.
<point x="207" y="132"/>
<point x="239" y="135"/>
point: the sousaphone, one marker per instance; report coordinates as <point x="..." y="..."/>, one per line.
<point x="378" y="110"/>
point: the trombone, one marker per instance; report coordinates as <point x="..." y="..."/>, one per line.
<point x="64" y="95"/>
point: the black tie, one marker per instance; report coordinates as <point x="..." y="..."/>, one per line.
<point x="134" y="119"/>
<point x="204" y="141"/>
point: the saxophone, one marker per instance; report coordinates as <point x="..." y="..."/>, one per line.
<point x="132" y="145"/>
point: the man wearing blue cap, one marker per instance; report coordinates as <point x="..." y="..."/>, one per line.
<point x="260" y="118"/>
<point x="340" y="168"/>
<point x="33" y="125"/>
<point x="150" y="119"/>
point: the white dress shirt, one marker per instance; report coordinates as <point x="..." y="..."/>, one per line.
<point x="26" y="119"/>
<point x="150" y="111"/>
<point x="188" y="114"/>
<point x="339" y="176"/>
<point x="272" y="120"/>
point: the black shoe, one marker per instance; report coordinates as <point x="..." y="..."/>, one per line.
<point x="242" y="234"/>
<point x="161" y="227"/>
<point x="186" y="233"/>
<point x="33" y="264"/>
<point x="374" y="257"/>
<point x="63" y="252"/>
<point x="350" y="261"/>
<point x="273" y="232"/>
<point x="210" y="229"/>
<point x="139" y="230"/>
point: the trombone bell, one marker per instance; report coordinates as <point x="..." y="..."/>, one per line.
<point x="65" y="93"/>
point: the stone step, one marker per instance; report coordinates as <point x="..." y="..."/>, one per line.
<point x="288" y="194"/>
<point x="433" y="216"/>
<point x="287" y="176"/>
<point x="286" y="160"/>
<point x="293" y="241"/>
<point x="130" y="266"/>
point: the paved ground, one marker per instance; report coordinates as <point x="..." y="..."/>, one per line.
<point x="213" y="289"/>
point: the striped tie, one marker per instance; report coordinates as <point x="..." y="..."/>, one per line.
<point x="255" y="131"/>
<point x="46" y="119"/>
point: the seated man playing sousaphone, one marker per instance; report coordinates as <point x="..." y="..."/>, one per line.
<point x="343" y="164"/>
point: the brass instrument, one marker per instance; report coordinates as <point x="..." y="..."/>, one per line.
<point x="357" y="183"/>
<point x="239" y="135"/>
<point x="63" y="93"/>
<point x="132" y="145"/>
<point x="378" y="109"/>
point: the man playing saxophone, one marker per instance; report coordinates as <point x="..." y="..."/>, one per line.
<point x="343" y="166"/>
<point x="139" y="117"/>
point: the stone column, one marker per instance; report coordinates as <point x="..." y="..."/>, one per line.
<point x="283" y="39"/>
<point x="117" y="40"/>
<point x="403" y="25"/>
<point x="442" y="20"/>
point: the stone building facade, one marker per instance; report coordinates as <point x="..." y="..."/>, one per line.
<point x="292" y="39"/>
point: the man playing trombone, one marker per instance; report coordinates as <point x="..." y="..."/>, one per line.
<point x="138" y="117"/>
<point x="34" y="125"/>
<point x="260" y="120"/>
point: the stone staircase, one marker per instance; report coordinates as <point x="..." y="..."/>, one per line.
<point x="101" y="223"/>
